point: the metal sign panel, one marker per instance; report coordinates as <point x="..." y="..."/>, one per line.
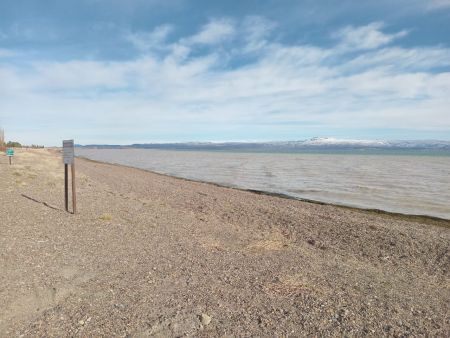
<point x="68" y="152"/>
<point x="10" y="152"/>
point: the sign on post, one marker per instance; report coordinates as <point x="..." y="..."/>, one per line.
<point x="68" y="152"/>
<point x="10" y="153"/>
<point x="69" y="158"/>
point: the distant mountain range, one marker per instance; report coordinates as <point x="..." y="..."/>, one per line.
<point x="311" y="144"/>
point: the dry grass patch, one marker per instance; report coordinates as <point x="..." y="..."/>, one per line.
<point x="82" y="179"/>
<point x="21" y="183"/>
<point x="51" y="184"/>
<point x="274" y="242"/>
<point x="212" y="244"/>
<point x="106" y="217"/>
<point x="287" y="286"/>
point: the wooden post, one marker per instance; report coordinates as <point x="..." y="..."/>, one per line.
<point x="66" y="186"/>
<point x="9" y="160"/>
<point x="74" y="194"/>
<point x="69" y="158"/>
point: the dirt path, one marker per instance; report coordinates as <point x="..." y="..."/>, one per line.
<point x="150" y="255"/>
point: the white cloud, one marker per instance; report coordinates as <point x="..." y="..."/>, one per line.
<point x="6" y="53"/>
<point x="437" y="4"/>
<point x="80" y="75"/>
<point x="216" y="31"/>
<point x="176" y="90"/>
<point x="256" y="31"/>
<point x="152" y="40"/>
<point x="257" y="28"/>
<point x="365" y="37"/>
<point x="410" y="59"/>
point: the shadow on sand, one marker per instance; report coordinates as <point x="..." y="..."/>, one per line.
<point x="44" y="203"/>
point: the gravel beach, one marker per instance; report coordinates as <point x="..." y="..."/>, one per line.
<point x="152" y="255"/>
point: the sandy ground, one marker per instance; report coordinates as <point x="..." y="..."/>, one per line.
<point x="151" y="255"/>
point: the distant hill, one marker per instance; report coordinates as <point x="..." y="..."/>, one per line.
<point x="290" y="146"/>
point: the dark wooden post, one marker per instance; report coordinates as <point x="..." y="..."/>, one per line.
<point x="66" y="186"/>
<point x="74" y="195"/>
<point x="69" y="158"/>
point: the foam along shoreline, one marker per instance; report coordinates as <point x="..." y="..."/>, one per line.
<point x="418" y="217"/>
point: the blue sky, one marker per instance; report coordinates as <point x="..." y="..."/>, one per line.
<point x="158" y="71"/>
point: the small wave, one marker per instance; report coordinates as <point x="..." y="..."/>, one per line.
<point x="364" y="188"/>
<point x="303" y="191"/>
<point x="406" y="184"/>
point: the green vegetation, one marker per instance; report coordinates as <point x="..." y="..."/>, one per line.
<point x="12" y="144"/>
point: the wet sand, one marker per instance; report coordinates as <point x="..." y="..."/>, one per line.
<point x="152" y="255"/>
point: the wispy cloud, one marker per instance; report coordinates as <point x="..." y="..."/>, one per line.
<point x="437" y="4"/>
<point x="216" y="31"/>
<point x="209" y="81"/>
<point x="4" y="53"/>
<point x="155" y="39"/>
<point x="366" y="37"/>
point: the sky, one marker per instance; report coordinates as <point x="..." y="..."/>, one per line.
<point x="140" y="71"/>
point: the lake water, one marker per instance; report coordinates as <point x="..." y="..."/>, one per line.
<point x="418" y="185"/>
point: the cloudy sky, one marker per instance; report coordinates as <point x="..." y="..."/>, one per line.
<point x="112" y="71"/>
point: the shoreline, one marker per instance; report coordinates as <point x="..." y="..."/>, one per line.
<point x="149" y="254"/>
<point x="432" y="220"/>
<point x="311" y="151"/>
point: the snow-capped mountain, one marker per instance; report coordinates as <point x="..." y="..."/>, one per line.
<point x="329" y="141"/>
<point x="319" y="141"/>
<point x="313" y="143"/>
